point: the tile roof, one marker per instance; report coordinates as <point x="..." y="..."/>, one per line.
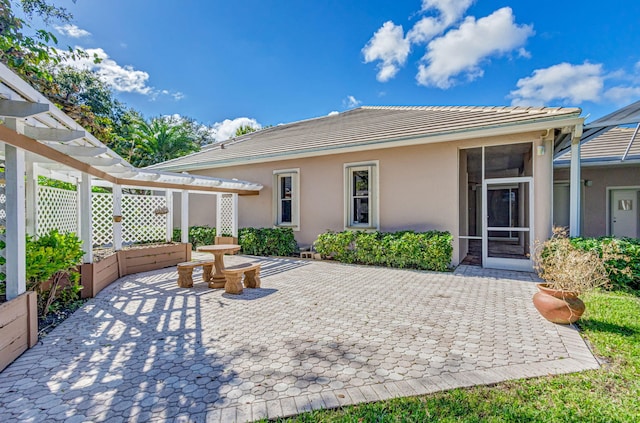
<point x="364" y="127"/>
<point x="610" y="146"/>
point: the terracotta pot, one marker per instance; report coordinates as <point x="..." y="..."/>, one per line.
<point x="558" y="306"/>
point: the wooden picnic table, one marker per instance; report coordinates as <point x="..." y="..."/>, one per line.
<point x="218" y="279"/>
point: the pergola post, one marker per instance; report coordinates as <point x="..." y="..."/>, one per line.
<point x="15" y="270"/>
<point x="117" y="217"/>
<point x="234" y="225"/>
<point x="575" y="184"/>
<point x="85" y="217"/>
<point x="184" y="216"/>
<point x="32" y="197"/>
<point x="169" y="199"/>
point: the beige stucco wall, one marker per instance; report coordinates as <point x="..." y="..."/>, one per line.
<point x="595" y="200"/>
<point x="419" y="189"/>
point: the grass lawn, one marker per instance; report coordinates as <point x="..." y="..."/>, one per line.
<point x="610" y="394"/>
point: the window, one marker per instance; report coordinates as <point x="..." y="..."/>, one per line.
<point x="286" y="198"/>
<point x="361" y="186"/>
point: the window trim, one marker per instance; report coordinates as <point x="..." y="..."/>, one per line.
<point x="374" y="197"/>
<point x="295" y="198"/>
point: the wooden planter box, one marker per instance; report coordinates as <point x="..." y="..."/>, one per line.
<point x="18" y="327"/>
<point x="97" y="276"/>
<point x="145" y="259"/>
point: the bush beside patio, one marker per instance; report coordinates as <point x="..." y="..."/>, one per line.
<point x="629" y="258"/>
<point x="254" y="241"/>
<point x="405" y="249"/>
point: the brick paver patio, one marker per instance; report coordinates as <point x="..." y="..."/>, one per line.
<point x="316" y="335"/>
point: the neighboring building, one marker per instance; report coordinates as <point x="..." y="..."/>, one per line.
<point x="395" y="168"/>
<point x="610" y="165"/>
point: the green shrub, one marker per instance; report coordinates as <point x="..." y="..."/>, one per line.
<point x="267" y="241"/>
<point x="406" y="249"/>
<point x="53" y="257"/>
<point x="198" y="235"/>
<point x="628" y="258"/>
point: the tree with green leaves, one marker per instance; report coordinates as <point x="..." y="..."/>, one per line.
<point x="245" y="129"/>
<point x="162" y="139"/>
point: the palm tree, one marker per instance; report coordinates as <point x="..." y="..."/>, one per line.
<point x="161" y="139"/>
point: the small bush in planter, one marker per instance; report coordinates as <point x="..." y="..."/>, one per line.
<point x="568" y="272"/>
<point x="567" y="267"/>
<point x="51" y="262"/>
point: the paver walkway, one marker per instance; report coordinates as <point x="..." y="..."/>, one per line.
<point x="317" y="335"/>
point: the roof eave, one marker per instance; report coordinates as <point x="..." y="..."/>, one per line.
<point x="515" y="128"/>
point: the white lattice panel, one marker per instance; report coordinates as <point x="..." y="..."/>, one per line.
<point x="102" y="219"/>
<point x="226" y="215"/>
<point x="57" y="209"/>
<point x="3" y="223"/>
<point x="140" y="223"/>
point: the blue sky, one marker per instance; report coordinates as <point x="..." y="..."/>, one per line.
<point x="282" y="61"/>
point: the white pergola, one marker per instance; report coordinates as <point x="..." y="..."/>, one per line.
<point x="37" y="138"/>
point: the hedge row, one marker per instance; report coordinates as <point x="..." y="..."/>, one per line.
<point x="198" y="235"/>
<point x="267" y="241"/>
<point x="629" y="249"/>
<point x="406" y="249"/>
<point x="254" y="241"/>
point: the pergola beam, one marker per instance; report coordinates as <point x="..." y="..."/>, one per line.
<point x="53" y="134"/>
<point x="21" y="109"/>
<point x="79" y="150"/>
<point x="21" y="141"/>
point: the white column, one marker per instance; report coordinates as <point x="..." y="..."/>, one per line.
<point x="117" y="211"/>
<point x="575" y="187"/>
<point x="32" y="197"/>
<point x="184" y="216"/>
<point x="234" y="230"/>
<point x="85" y="217"/>
<point x="169" y="199"/>
<point x="15" y="270"/>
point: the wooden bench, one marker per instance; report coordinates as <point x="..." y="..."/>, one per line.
<point x="251" y="272"/>
<point x="185" y="272"/>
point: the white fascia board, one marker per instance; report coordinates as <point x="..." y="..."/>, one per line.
<point x="398" y="142"/>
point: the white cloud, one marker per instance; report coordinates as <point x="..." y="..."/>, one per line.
<point x="226" y="129"/>
<point x="333" y="113"/>
<point x="350" y="102"/>
<point x="460" y="51"/>
<point x="562" y="82"/>
<point x="72" y="31"/>
<point x="121" y="78"/>
<point x="390" y="47"/>
<point x="450" y="11"/>
<point x="622" y="95"/>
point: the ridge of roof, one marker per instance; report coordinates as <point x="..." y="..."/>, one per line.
<point x="476" y="108"/>
<point x="365" y="125"/>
